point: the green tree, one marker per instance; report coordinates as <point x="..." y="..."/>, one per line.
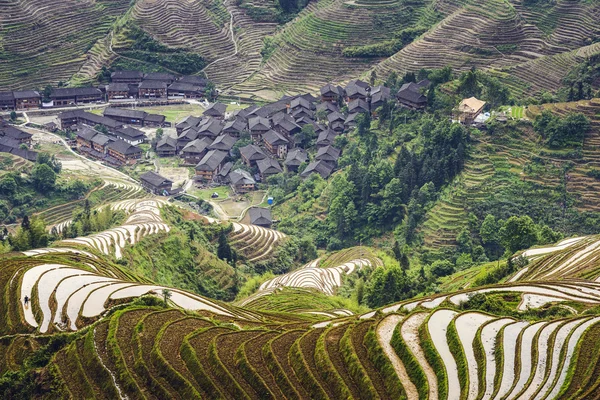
<point x="442" y="268"/>
<point x="13" y="116"/>
<point x="518" y="233"/>
<point x="306" y="136"/>
<point x="166" y="293"/>
<point x="43" y="177"/>
<point x="8" y="186"/>
<point x="386" y="287"/>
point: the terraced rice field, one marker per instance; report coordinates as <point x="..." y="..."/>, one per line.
<point x="144" y="220"/>
<point x="251" y="241"/>
<point x="67" y="295"/>
<point x="523" y="47"/>
<point x="420" y="348"/>
<point x="496" y="163"/>
<point x="46" y="42"/>
<point x="60" y="216"/>
<point x="310" y="276"/>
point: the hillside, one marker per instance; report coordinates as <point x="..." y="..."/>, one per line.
<point x="523" y="338"/>
<point x="250" y="48"/>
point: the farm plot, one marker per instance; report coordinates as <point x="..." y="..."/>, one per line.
<point x="144" y="220"/>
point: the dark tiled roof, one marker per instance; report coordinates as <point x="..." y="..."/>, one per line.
<point x="328" y="107"/>
<point x="131" y="133"/>
<point x="321" y="167"/>
<point x="268" y="165"/>
<point x="159" y="76"/>
<point x="86" y="133"/>
<point x="252" y="152"/>
<point x="14" y="133"/>
<point x="296" y="157"/>
<point x="300" y="102"/>
<point x="353" y="89"/>
<point x="189" y="121"/>
<point x="212" y="127"/>
<point x="330" y="89"/>
<point x="326" y="138"/>
<point x="197" y="145"/>
<point x="223" y="142"/>
<point x="259" y="123"/>
<point x="153" y="84"/>
<point x="124" y="113"/>
<point x="155" y="179"/>
<point x="335" y="116"/>
<point x="260" y="216"/>
<point x="237" y="125"/>
<point x="157" y="118"/>
<point x="327" y="153"/>
<point x="411" y="92"/>
<point x="117" y="87"/>
<point x="274" y="138"/>
<point x="241" y="177"/>
<point x="216" y="109"/>
<point x="184" y="87"/>
<point x="122" y="147"/>
<point x="101" y="139"/>
<point x="72" y="92"/>
<point x="26" y="94"/>
<point x="127" y="75"/>
<point x="167" y="142"/>
<point x="6" y="96"/>
<point x="211" y="160"/>
<point x="358" y="105"/>
<point x="196" y="80"/>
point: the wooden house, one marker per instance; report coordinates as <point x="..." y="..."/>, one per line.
<point x="235" y="127"/>
<point x="166" y="147"/>
<point x="328" y="154"/>
<point x="155" y="183"/>
<point x="210" y="164"/>
<point x="251" y="154"/>
<point x="295" y="158"/>
<point x="195" y="150"/>
<point x="127" y="76"/>
<point x="124" y="152"/>
<point x="322" y="168"/>
<point x="469" y="109"/>
<point x="215" y="110"/>
<point x="258" y="126"/>
<point x="152" y="89"/>
<point x="7" y="101"/>
<point x="117" y="91"/>
<point x="260" y="217"/>
<point x="74" y="96"/>
<point x="242" y="181"/>
<point x="268" y="167"/>
<point x="331" y="93"/>
<point x="276" y="143"/>
<point x="27" y="100"/>
<point x="410" y="96"/>
<point x="223" y="143"/>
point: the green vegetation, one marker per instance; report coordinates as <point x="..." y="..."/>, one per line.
<point x="144" y="48"/>
<point x="41" y="187"/>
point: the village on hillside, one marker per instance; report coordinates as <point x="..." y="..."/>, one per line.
<point x="239" y="148"/>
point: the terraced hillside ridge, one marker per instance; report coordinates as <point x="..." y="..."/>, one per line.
<point x="439" y="346"/>
<point x="531" y="46"/>
<point x="325" y="280"/>
<point x="57" y="218"/>
<point x="68" y="289"/>
<point x="44" y="42"/>
<point x="574" y="258"/>
<point x="253" y="242"/>
<point x="475" y="355"/>
<point x="145" y="219"/>
<point x="497" y="162"/>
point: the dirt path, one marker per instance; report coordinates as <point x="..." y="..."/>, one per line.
<point x="410" y="334"/>
<point x="235" y="44"/>
<point x="385" y="330"/>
